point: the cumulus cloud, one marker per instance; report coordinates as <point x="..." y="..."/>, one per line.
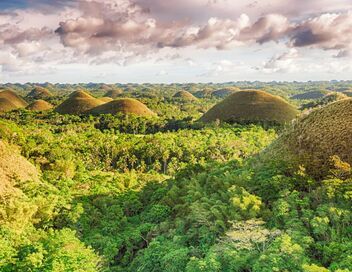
<point x="281" y="63"/>
<point x="130" y="26"/>
<point x="327" y="31"/>
<point x="126" y="31"/>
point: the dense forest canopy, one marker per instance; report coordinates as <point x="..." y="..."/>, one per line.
<point x="166" y="192"/>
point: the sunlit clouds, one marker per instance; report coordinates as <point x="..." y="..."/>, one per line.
<point x="42" y="37"/>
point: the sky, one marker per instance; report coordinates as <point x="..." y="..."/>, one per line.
<point x="165" y="41"/>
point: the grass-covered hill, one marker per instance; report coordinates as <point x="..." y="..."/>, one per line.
<point x="184" y="95"/>
<point x="39" y="105"/>
<point x="123" y="105"/>
<point x="122" y="192"/>
<point x="9" y="100"/>
<point x="316" y="138"/>
<point x="78" y="102"/>
<point x="310" y="95"/>
<point x="114" y="93"/>
<point x="39" y="92"/>
<point x="251" y="106"/>
<point x="224" y="92"/>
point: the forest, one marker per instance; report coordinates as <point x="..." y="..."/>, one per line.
<point x="174" y="191"/>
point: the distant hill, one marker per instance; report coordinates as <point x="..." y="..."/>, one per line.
<point x="79" y="102"/>
<point x="327" y="99"/>
<point x="205" y="93"/>
<point x="113" y="93"/>
<point x="39" y="105"/>
<point x="310" y="95"/>
<point x="123" y="105"/>
<point x="348" y="93"/>
<point x="251" y="106"/>
<point x="184" y="95"/>
<point x="39" y="93"/>
<point x="224" y="92"/>
<point x="105" y="99"/>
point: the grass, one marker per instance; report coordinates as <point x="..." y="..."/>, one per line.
<point x="39" y="93"/>
<point x="251" y="107"/>
<point x="318" y="138"/>
<point x="79" y="102"/>
<point x="125" y="106"/>
<point x="14" y="98"/>
<point x="184" y="95"/>
<point x="39" y="105"/>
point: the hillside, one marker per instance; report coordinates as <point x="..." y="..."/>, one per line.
<point x="123" y="105"/>
<point x="250" y="107"/>
<point x="14" y="167"/>
<point x="310" y="95"/>
<point x="39" y="93"/>
<point x="39" y="105"/>
<point x="113" y="93"/>
<point x="13" y="98"/>
<point x="317" y="137"/>
<point x="79" y="102"/>
<point x="184" y="95"/>
<point x="222" y="93"/>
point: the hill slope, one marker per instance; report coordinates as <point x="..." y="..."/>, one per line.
<point x="222" y="93"/>
<point x="79" y="102"/>
<point x="125" y="106"/>
<point x="184" y="95"/>
<point x="39" y="93"/>
<point x="251" y="106"/>
<point x="317" y="137"/>
<point x="39" y="105"/>
<point x="14" y="166"/>
<point x="310" y="95"/>
<point x="14" y="98"/>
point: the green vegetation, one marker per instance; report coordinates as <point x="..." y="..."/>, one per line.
<point x="116" y="192"/>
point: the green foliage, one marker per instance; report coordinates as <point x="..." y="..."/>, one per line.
<point x="126" y="193"/>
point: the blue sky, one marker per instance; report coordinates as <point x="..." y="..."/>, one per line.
<point x="4" y="4"/>
<point x="174" y="41"/>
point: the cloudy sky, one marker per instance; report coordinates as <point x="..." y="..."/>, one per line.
<point x="174" y="40"/>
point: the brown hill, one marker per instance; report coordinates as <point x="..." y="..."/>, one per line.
<point x="250" y="107"/>
<point x="222" y="93"/>
<point x="125" y="106"/>
<point x="310" y="95"/>
<point x="105" y="99"/>
<point x="348" y="93"/>
<point x="184" y="95"/>
<point x="39" y="93"/>
<point x="114" y="93"/>
<point x="80" y="94"/>
<point x="6" y="105"/>
<point x="312" y="142"/>
<point x="14" y="98"/>
<point x="79" y="102"/>
<point x="39" y="105"/>
<point x="14" y="167"/>
<point x="327" y="99"/>
<point x="206" y="93"/>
